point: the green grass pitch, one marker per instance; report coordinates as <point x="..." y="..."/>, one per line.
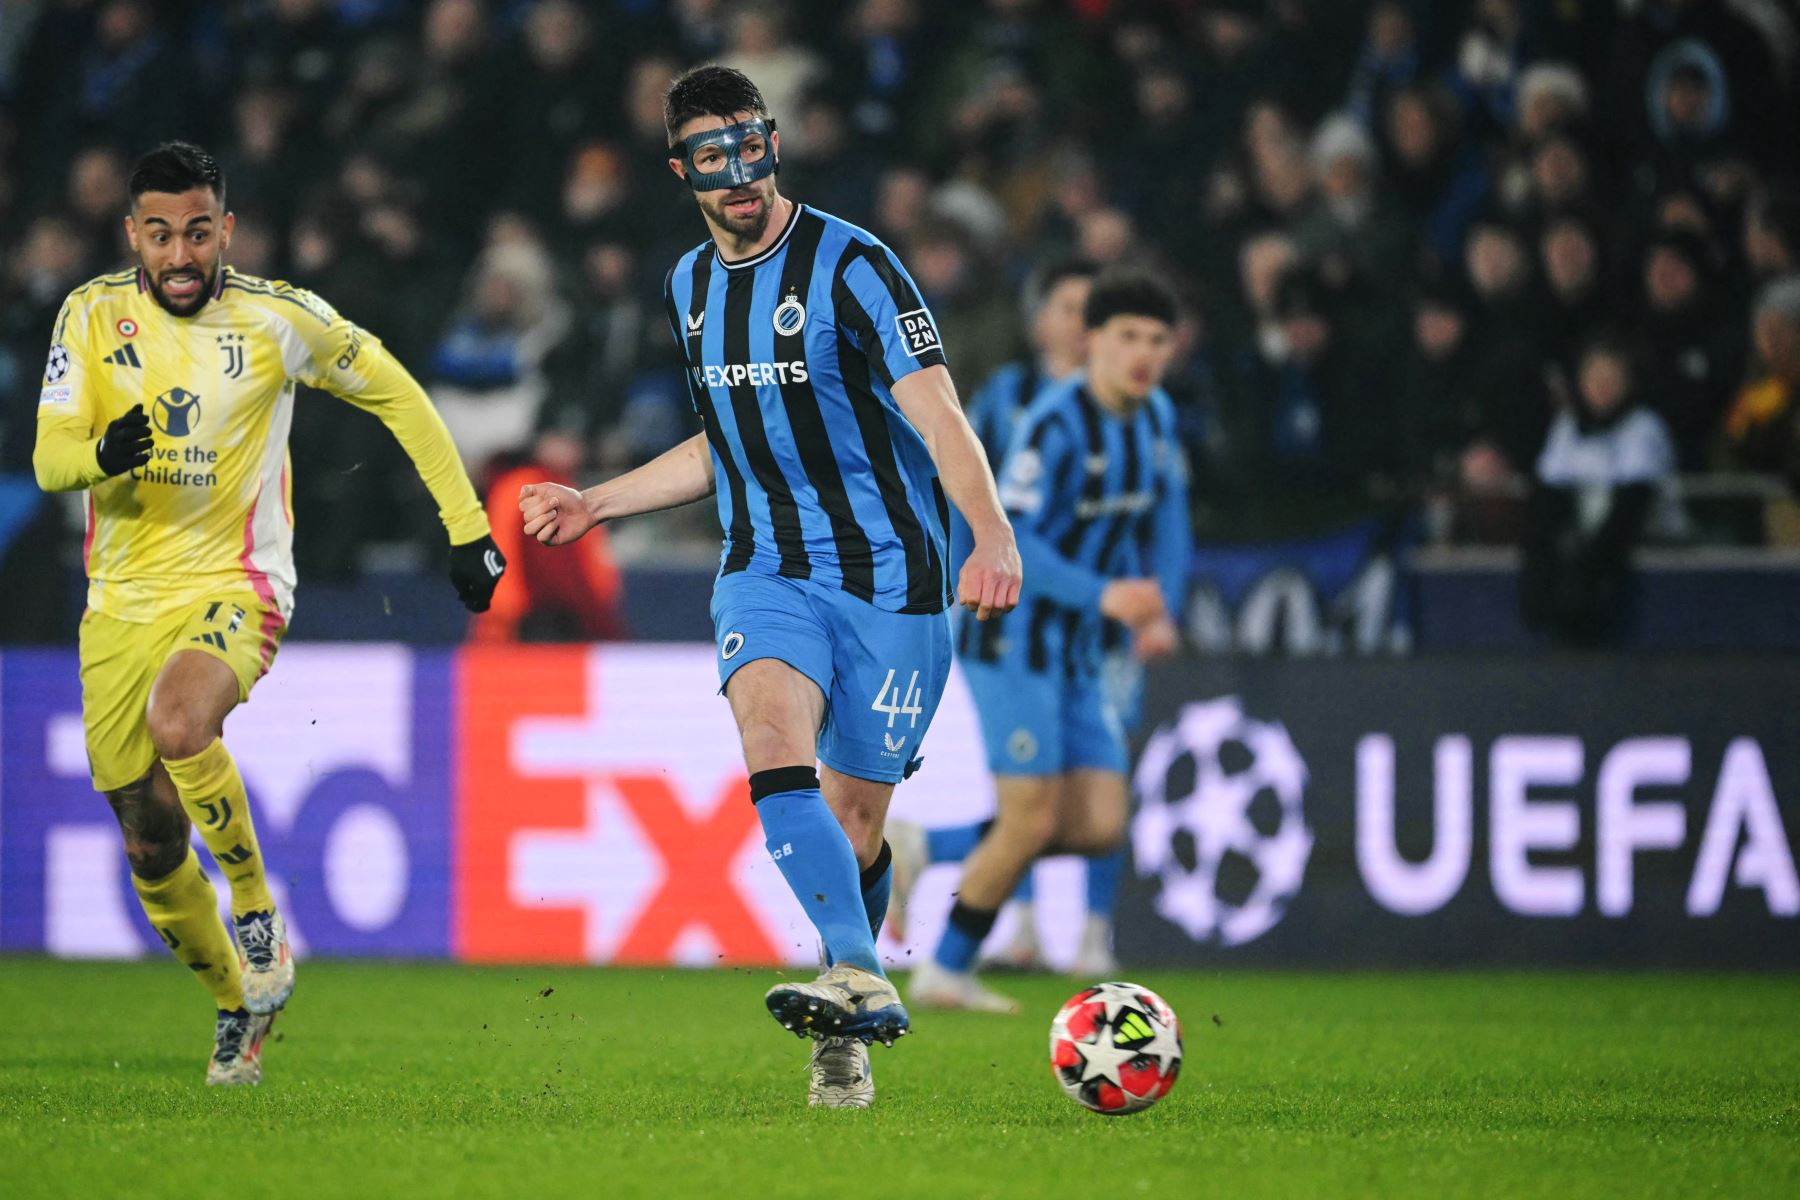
<point x="402" y="1080"/>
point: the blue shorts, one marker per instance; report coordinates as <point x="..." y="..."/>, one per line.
<point x="1042" y="724"/>
<point x="882" y="673"/>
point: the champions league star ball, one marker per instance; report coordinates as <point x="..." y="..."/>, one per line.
<point x="1115" y="1048"/>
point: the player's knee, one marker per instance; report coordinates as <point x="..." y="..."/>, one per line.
<point x="156" y="835"/>
<point x="769" y="743"/>
<point x="178" y="730"/>
<point x="1029" y="828"/>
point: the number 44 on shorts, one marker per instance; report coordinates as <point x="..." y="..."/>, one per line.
<point x="889" y="700"/>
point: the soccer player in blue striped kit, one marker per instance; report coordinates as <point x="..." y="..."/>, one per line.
<point x="832" y="437"/>
<point x="1096" y="485"/>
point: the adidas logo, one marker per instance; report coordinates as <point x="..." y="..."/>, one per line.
<point x="215" y="639"/>
<point x="124" y="356"/>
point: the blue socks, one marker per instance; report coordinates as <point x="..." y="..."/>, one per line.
<point x="963" y="935"/>
<point x="1104" y="873"/>
<point x="808" y="844"/>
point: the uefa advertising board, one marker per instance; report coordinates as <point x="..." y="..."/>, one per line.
<point x="1462" y="810"/>
<point x="572" y="804"/>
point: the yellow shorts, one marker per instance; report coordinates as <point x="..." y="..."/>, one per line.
<point x="121" y="659"/>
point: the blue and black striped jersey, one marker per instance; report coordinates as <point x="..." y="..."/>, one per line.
<point x="1093" y="496"/>
<point x="792" y="356"/>
<point x="995" y="408"/>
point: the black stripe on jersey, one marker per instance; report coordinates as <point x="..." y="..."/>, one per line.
<point x="807" y="420"/>
<point x="1093" y="483"/>
<point x="924" y="571"/>
<point x="742" y="534"/>
<point x="784" y="514"/>
<point x="1145" y="532"/>
<point x="1122" y="522"/>
<point x="943" y="516"/>
<point x="901" y="291"/>
<point x="1037" y="649"/>
<point x="1071" y="630"/>
<point x="989" y="644"/>
<point x="1028" y="386"/>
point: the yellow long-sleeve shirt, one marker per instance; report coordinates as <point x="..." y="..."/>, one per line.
<point x="213" y="506"/>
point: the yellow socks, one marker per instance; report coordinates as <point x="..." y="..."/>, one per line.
<point x="185" y="911"/>
<point x="213" y="794"/>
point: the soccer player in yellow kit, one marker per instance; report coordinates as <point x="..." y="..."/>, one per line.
<point x="168" y="396"/>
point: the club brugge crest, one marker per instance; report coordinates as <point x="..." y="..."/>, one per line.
<point x="790" y="315"/>
<point x="177" y="412"/>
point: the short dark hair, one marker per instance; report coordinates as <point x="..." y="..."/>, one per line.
<point x="710" y="91"/>
<point x="1048" y="277"/>
<point x="1129" y="293"/>
<point x="177" y="167"/>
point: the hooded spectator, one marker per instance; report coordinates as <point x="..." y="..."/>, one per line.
<point x="1353" y="229"/>
<point x="488" y="382"/>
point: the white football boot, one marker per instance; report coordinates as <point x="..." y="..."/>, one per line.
<point x="839" y="1074"/>
<point x="1094" y="958"/>
<point x="906" y="839"/>
<point x="237" y="1048"/>
<point x="265" y="959"/>
<point x="933" y="986"/>
<point x="844" y="1001"/>
<point x="1021" y="951"/>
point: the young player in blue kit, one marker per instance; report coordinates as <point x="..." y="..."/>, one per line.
<point x="1053" y="302"/>
<point x="1097" y="489"/>
<point x="829" y="421"/>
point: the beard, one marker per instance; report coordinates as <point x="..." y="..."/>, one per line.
<point x="184" y="308"/>
<point x="751" y="226"/>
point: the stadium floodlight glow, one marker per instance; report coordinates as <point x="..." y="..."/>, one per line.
<point x="729" y="168"/>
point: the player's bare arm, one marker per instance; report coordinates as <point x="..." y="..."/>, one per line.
<point x="992" y="576"/>
<point x="556" y="515"/>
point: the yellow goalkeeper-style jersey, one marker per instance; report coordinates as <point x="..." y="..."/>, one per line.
<point x="213" y="509"/>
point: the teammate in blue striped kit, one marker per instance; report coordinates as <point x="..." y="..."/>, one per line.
<point x="1053" y="301"/>
<point x="832" y="437"/>
<point x="1097" y="488"/>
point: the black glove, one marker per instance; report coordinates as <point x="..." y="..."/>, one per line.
<point x="125" y="444"/>
<point x="475" y="569"/>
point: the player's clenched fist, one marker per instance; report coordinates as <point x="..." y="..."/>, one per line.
<point x="990" y="580"/>
<point x="555" y="515"/>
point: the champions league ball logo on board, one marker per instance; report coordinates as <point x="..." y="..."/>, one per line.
<point x="1220" y="823"/>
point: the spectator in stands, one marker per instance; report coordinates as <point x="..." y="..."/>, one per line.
<point x="1771" y="242"/>
<point x="548" y="595"/>
<point x="1322" y="410"/>
<point x="759" y="46"/>
<point x="1552" y="98"/>
<point x="1691" y="343"/>
<point x="1352" y="231"/>
<point x="613" y="332"/>
<point x="96" y="182"/>
<point x="1569" y="253"/>
<point x="1439" y="177"/>
<point x="1441" y="404"/>
<point x="1762" y="432"/>
<point x="556" y="96"/>
<point x="487" y="382"/>
<point x="1604" y="479"/>
<point x="1509" y="346"/>
<point x="1389" y="60"/>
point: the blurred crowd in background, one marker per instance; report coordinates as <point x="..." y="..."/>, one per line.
<point x="1431" y="251"/>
